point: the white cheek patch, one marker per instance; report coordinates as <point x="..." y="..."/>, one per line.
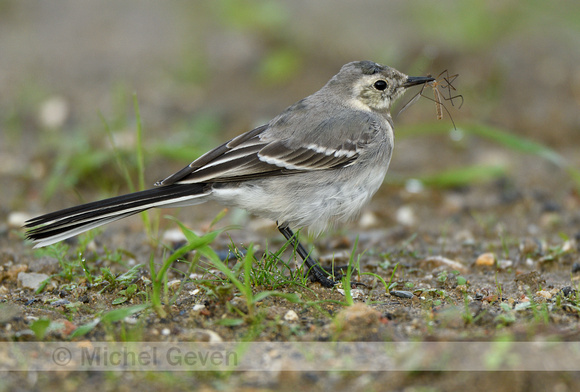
<point x="384" y="104"/>
<point x="358" y="105"/>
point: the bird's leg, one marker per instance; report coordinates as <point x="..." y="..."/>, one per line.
<point x="316" y="272"/>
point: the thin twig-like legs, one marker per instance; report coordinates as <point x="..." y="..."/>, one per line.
<point x="316" y="272"/>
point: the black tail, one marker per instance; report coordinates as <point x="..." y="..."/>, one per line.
<point x="59" y="225"/>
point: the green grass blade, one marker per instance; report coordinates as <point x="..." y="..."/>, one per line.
<point x="456" y="177"/>
<point x="120" y="314"/>
<point x="515" y="142"/>
<point x="497" y="135"/>
<point x="140" y="148"/>
<point x="117" y="154"/>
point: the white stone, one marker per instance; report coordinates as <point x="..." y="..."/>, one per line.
<point x="31" y="280"/>
<point x="290" y="316"/>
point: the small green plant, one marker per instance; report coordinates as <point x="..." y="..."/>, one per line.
<point x="249" y="275"/>
<point x="107" y="318"/>
<point x="59" y="252"/>
<point x="432" y="296"/>
<point x="159" y="276"/>
<point x="40" y="328"/>
<point x="244" y="285"/>
<point x="442" y="277"/>
<point x="141" y="167"/>
<point x="507" y="317"/>
<point x="272" y="271"/>
<point x="506" y="250"/>
<point x="539" y="310"/>
<point x="125" y="295"/>
<point x="467" y="316"/>
<point x="388" y="286"/>
<point x="69" y="266"/>
<point x="498" y="288"/>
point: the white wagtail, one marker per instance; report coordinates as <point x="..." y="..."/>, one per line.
<point x="317" y="162"/>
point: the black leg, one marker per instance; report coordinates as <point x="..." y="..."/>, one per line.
<point x="316" y="272"/>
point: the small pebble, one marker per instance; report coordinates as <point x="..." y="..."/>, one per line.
<point x="54" y="112"/>
<point x="569" y="246"/>
<point x="92" y="247"/>
<point x="31" y="280"/>
<point x="414" y="185"/>
<point x="197" y="307"/>
<point x="555" y="291"/>
<point x="68" y="327"/>
<point x="291" y="316"/>
<point x="522" y="306"/>
<point x="505" y="264"/>
<point x="401" y="294"/>
<point x="544" y="294"/>
<point x="17" y="219"/>
<point x="355" y="293"/>
<point x="203" y="335"/>
<point x="174" y="284"/>
<point x="444" y="261"/>
<point x="125" y="139"/>
<point x="173" y="236"/>
<point x="133" y="320"/>
<point x="406" y="216"/>
<point x="485" y="259"/>
<point x="575" y="267"/>
<point x="60" y="302"/>
<point x="524" y="298"/>
<point x="368" y="220"/>
<point x="227" y="254"/>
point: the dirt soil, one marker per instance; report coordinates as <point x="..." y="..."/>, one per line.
<point x="506" y="244"/>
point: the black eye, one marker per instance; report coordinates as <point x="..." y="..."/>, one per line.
<point x="380" y="85"/>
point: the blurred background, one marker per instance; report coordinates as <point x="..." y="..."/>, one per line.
<point x="203" y="72"/>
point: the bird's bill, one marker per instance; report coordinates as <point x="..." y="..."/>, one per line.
<point x="416" y="80"/>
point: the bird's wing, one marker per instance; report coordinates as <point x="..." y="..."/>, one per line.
<point x="333" y="143"/>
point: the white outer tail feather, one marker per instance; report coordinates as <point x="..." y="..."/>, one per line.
<point x="97" y="219"/>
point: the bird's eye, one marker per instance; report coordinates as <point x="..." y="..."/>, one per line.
<point x="380" y="85"/>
